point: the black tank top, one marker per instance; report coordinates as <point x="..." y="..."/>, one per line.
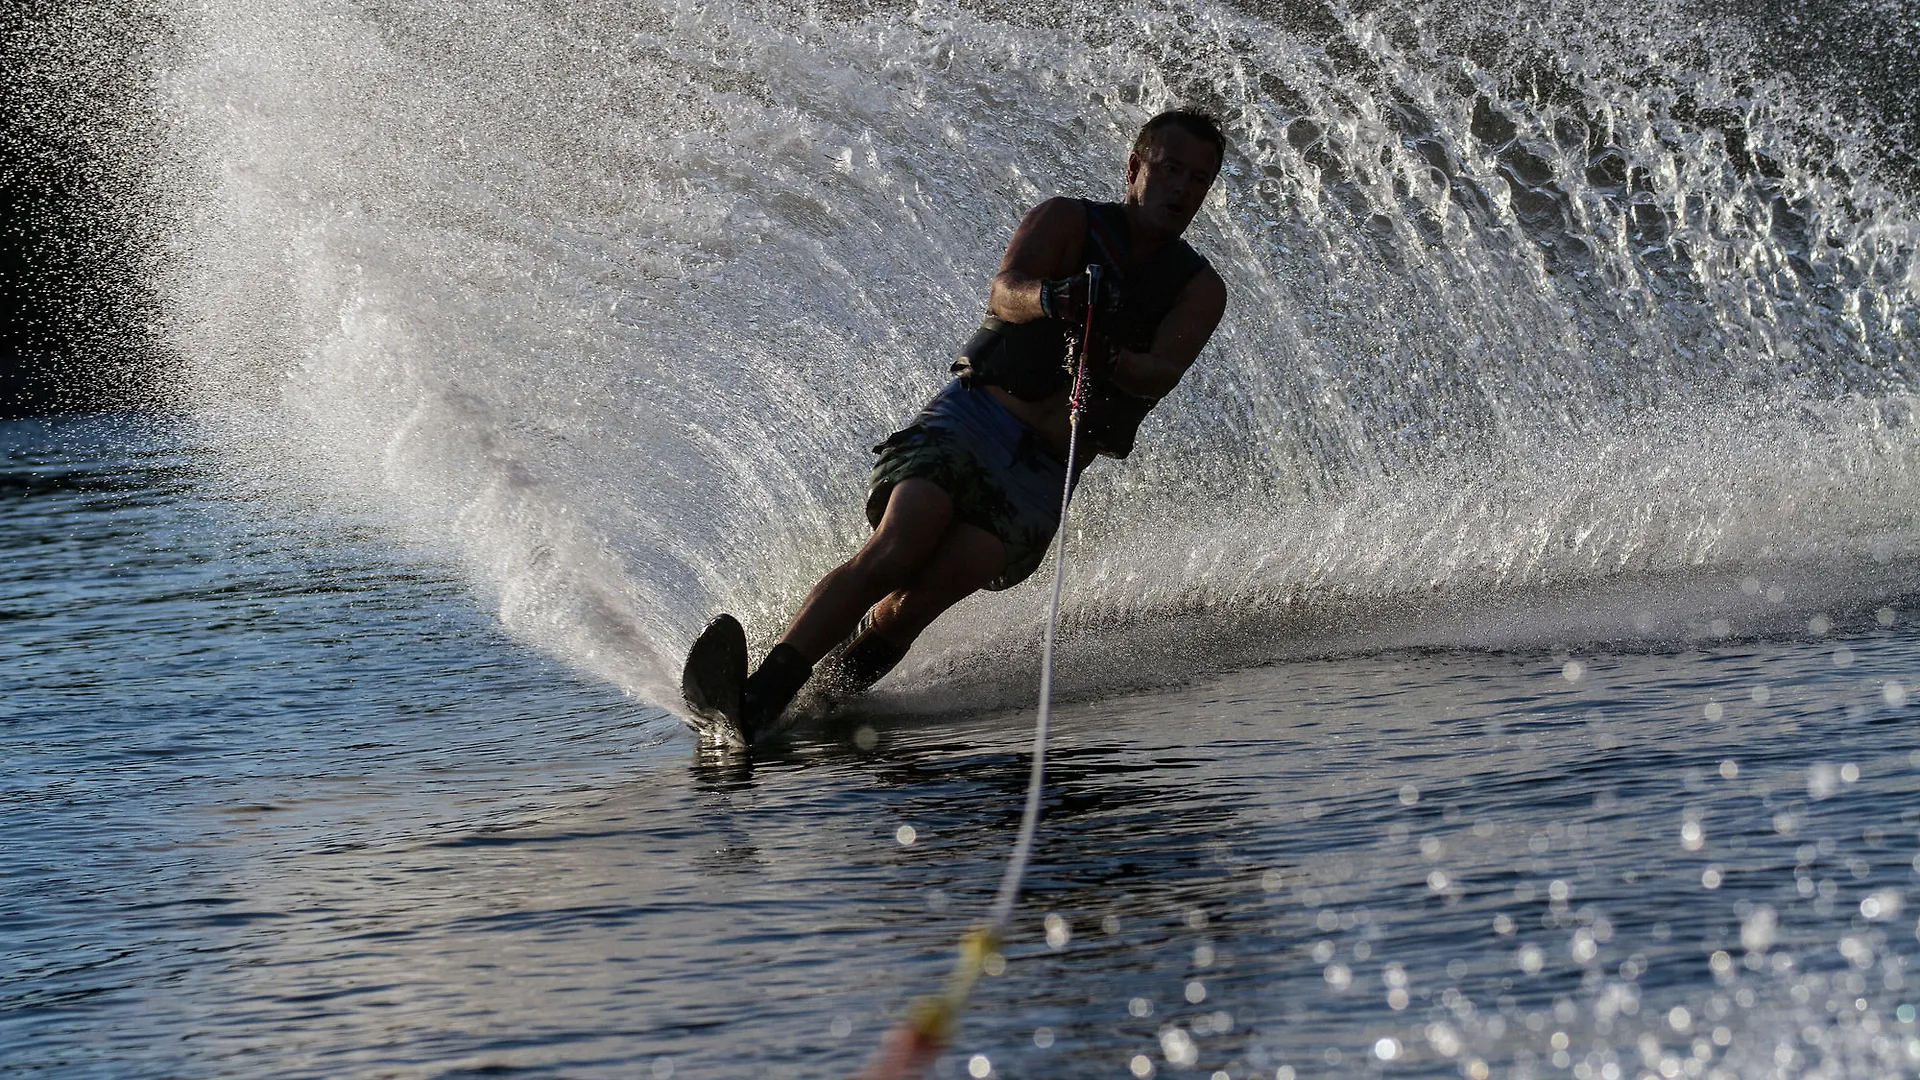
<point x="1034" y="360"/>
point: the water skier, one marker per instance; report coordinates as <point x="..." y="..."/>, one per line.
<point x="967" y="497"/>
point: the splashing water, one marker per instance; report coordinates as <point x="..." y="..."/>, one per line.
<point x="1550" y="329"/>
<point x="1539" y="329"/>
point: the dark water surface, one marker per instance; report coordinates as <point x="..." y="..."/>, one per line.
<point x="283" y="803"/>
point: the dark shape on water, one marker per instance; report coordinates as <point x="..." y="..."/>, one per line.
<point x="716" y="669"/>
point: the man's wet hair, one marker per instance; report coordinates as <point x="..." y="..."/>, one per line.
<point x="1197" y="124"/>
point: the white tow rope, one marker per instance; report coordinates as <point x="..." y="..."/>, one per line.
<point x="1036" y="778"/>
<point x="911" y="1047"/>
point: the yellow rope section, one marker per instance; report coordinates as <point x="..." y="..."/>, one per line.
<point x="930" y="1023"/>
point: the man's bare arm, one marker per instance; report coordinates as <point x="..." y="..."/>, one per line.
<point x="1182" y="334"/>
<point x="1046" y="244"/>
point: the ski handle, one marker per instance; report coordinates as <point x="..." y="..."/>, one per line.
<point x="1078" y="403"/>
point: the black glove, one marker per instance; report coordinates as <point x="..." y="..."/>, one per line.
<point x="1065" y="298"/>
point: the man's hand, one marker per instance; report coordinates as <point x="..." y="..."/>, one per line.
<point x="1154" y="373"/>
<point x="1045" y="248"/>
<point x="1066" y="298"/>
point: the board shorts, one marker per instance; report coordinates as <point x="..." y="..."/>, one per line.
<point x="1001" y="477"/>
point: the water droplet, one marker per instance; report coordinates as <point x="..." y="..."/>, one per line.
<point x="1529" y="959"/>
<point x="905" y="835"/>
<point x="1043" y="1037"/>
<point x="979" y="1067"/>
<point x="1178" y="1047"/>
<point x="1386" y="1049"/>
<point x="1884" y="904"/>
<point x="1821" y="780"/>
<point x="1757" y="930"/>
<point x="1058" y="932"/>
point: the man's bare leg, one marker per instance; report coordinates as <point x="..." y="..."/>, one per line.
<point x="909" y="534"/>
<point x="967" y="560"/>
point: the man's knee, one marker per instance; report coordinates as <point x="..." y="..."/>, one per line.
<point x="968" y="560"/>
<point x="917" y="515"/>
<point x="882" y="568"/>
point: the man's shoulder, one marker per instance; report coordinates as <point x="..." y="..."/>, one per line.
<point x="1207" y="289"/>
<point x="1061" y="209"/>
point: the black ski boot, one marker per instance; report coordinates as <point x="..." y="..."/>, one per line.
<point x="769" y="690"/>
<point x="853" y="668"/>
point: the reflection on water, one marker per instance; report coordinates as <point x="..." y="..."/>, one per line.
<point x="325" y="824"/>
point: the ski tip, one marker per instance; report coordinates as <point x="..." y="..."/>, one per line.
<point x="715" y="672"/>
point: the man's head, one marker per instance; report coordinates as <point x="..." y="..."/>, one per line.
<point x="1173" y="163"/>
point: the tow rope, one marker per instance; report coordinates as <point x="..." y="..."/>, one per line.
<point x="931" y="1022"/>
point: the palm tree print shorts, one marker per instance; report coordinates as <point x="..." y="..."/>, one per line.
<point x="1000" y="476"/>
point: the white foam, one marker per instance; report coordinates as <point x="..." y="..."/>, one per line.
<point x="607" y="304"/>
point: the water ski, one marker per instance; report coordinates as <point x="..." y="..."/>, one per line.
<point x="715" y="671"/>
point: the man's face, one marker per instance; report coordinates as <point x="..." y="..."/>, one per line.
<point x="1170" y="181"/>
